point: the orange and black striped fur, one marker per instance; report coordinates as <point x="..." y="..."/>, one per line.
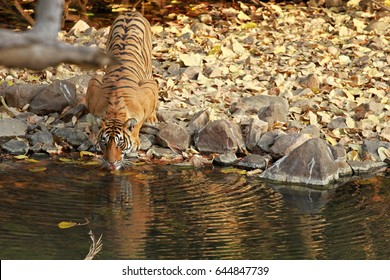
<point x="126" y="96"/>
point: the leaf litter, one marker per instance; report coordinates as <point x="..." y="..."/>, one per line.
<point x="340" y="61"/>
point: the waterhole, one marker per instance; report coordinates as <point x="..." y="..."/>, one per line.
<point x="174" y="212"/>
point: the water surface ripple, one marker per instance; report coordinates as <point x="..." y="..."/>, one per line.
<point x="172" y="212"/>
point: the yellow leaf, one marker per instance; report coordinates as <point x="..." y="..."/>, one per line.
<point x="64" y="225"/>
<point x="248" y="25"/>
<point x="21" y="157"/>
<point x="383" y="153"/>
<point x="65" y="159"/>
<point x="37" y="169"/>
<point x="91" y="163"/>
<point x="350" y="122"/>
<point x="233" y="170"/>
<point x="280" y="49"/>
<point x="353" y="155"/>
<point x="331" y="140"/>
<point x="86" y="153"/>
<point x="31" y="160"/>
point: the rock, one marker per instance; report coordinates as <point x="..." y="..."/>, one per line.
<point x="252" y="104"/>
<point x="345" y="170"/>
<point x="159" y="152"/>
<point x="339" y="122"/>
<point x="311" y="163"/>
<point x="275" y="112"/>
<point x="311" y="81"/>
<point x="205" y="18"/>
<point x="15" y="147"/>
<point x="54" y="98"/>
<point x="220" y="136"/>
<point x="40" y="138"/>
<point x="366" y="167"/>
<point x="76" y="137"/>
<point x="19" y="96"/>
<point x="339" y="154"/>
<point x="226" y="159"/>
<point x="192" y="72"/>
<point x="85" y="146"/>
<point x="12" y="127"/>
<point x="76" y="111"/>
<point x="71" y="135"/>
<point x="254" y="161"/>
<point x="267" y="140"/>
<point x="149" y="129"/>
<point x="174" y="69"/>
<point x="146" y="142"/>
<point x="80" y="26"/>
<point x="371" y="147"/>
<point x="198" y="121"/>
<point x="171" y="116"/>
<point x="380" y="27"/>
<point x="312" y="130"/>
<point x="173" y="136"/>
<point x="286" y="143"/>
<point x="254" y="130"/>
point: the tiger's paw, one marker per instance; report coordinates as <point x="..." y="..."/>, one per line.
<point x="152" y="119"/>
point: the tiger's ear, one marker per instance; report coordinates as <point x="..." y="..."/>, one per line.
<point x="130" y="123"/>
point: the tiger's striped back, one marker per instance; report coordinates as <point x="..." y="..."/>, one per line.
<point x="130" y="42"/>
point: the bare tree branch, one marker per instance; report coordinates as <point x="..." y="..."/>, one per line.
<point x="39" y="48"/>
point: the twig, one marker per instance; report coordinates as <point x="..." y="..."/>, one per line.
<point x="380" y="5"/>
<point x="95" y="247"/>
<point x="26" y="16"/>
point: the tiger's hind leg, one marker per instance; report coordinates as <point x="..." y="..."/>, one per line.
<point x="95" y="101"/>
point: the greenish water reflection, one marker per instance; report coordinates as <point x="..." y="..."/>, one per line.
<point x="171" y="212"/>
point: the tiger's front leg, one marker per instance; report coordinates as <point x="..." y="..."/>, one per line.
<point x="95" y="101"/>
<point x="136" y="143"/>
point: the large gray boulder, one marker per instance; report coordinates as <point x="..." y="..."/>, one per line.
<point x="311" y="163"/>
<point x="54" y="98"/>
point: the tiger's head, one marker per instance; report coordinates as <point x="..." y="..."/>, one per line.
<point x="115" y="141"/>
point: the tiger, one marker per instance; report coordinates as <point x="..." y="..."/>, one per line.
<point x="126" y="96"/>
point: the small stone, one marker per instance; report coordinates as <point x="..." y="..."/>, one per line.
<point x="267" y="140"/>
<point x="339" y="122"/>
<point x="220" y="136"/>
<point x="273" y="113"/>
<point x="198" y="121"/>
<point x="76" y="111"/>
<point x="371" y="147"/>
<point x="76" y="137"/>
<point x="15" y="147"/>
<point x="174" y="69"/>
<point x="146" y="142"/>
<point x="254" y="161"/>
<point x="171" y="116"/>
<point x="286" y="143"/>
<point x="226" y="159"/>
<point x="173" y="136"/>
<point x="312" y="130"/>
<point x="339" y="153"/>
<point x="12" y="127"/>
<point x="367" y="167"/>
<point x="311" y="81"/>
<point x="40" y="138"/>
<point x="254" y="131"/>
<point x="252" y="104"/>
<point x="192" y="72"/>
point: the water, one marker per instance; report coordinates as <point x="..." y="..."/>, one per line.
<point x="172" y="212"/>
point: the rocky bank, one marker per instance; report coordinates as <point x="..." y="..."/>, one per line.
<point x="294" y="94"/>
